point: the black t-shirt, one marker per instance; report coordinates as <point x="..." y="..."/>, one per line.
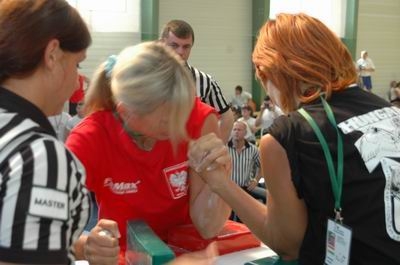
<point x="371" y="140"/>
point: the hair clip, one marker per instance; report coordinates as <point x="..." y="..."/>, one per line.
<point x="110" y="63"/>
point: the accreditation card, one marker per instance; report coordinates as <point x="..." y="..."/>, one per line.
<point x="338" y="241"/>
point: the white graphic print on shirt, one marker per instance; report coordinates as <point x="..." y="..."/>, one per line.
<point x="177" y="178"/>
<point x="121" y="187"/>
<point x="380" y="142"/>
<point x="392" y="197"/>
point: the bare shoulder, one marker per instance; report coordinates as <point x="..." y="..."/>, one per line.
<point x="210" y="125"/>
<point x="274" y="159"/>
<point x="276" y="170"/>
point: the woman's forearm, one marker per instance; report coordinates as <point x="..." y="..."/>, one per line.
<point x="209" y="212"/>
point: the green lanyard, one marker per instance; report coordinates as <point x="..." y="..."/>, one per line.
<point x="335" y="176"/>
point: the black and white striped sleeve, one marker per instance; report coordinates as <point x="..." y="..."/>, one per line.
<point x="44" y="204"/>
<point x="209" y="91"/>
<point x="257" y="161"/>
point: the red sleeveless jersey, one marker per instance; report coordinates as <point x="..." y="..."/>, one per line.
<point x="130" y="183"/>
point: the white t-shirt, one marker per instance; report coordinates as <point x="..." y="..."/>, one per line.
<point x="365" y="63"/>
<point x="73" y="122"/>
<point x="241" y="100"/>
<point x="59" y="123"/>
<point x="268" y="117"/>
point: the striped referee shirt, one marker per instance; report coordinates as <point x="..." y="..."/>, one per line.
<point x="209" y="91"/>
<point x="44" y="204"/>
<point x="245" y="164"/>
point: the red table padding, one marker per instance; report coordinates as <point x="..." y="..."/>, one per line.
<point x="233" y="237"/>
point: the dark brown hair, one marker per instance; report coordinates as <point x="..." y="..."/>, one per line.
<point x="179" y="28"/>
<point x="239" y="88"/>
<point x="27" y="27"/>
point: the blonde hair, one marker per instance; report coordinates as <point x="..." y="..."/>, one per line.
<point x="99" y="95"/>
<point x="243" y="123"/>
<point x="295" y="51"/>
<point x="150" y="74"/>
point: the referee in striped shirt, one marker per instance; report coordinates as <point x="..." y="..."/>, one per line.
<point x="179" y="35"/>
<point x="44" y="204"/>
<point x="245" y="161"/>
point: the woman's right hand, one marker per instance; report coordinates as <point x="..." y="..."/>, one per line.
<point x="101" y="246"/>
<point x="210" y="158"/>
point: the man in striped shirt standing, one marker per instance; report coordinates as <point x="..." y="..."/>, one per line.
<point x="245" y="163"/>
<point x="246" y="170"/>
<point x="179" y="35"/>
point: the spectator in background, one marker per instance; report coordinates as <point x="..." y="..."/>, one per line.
<point x="268" y="113"/>
<point x="44" y="203"/>
<point x="394" y="93"/>
<point x="59" y="123"/>
<point x="245" y="158"/>
<point x="79" y="94"/>
<point x="179" y="35"/>
<point x="246" y="171"/>
<point x="250" y="121"/>
<point x="237" y="113"/>
<point x="74" y="120"/>
<point x="365" y="68"/>
<point x="241" y="98"/>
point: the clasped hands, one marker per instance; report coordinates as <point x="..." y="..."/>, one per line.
<point x="210" y="158"/>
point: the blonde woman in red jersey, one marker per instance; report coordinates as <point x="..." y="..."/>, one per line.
<point x="141" y="113"/>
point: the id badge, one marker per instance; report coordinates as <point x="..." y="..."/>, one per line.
<point x="338" y="241"/>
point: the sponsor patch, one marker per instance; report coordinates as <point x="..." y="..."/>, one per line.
<point x="121" y="188"/>
<point x="49" y="203"/>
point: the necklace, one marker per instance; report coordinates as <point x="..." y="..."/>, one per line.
<point x="143" y="142"/>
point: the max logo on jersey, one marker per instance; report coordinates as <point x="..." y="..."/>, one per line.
<point x="121" y="187"/>
<point x="176" y="178"/>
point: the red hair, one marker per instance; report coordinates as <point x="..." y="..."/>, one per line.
<point x="294" y="51"/>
